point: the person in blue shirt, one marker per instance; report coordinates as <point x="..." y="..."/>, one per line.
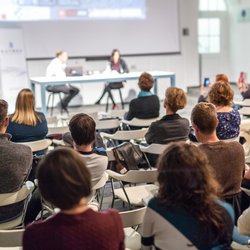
<point x="26" y="124"/>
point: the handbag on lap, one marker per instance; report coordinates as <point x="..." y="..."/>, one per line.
<point x="129" y="157"/>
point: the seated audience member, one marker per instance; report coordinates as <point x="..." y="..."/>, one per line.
<point x="186" y="213"/>
<point x="226" y="159"/>
<point x="56" y="68"/>
<point x="118" y="64"/>
<point x="26" y="124"/>
<point x="221" y="95"/>
<point x="65" y="182"/>
<point x="172" y="126"/>
<point x="15" y="165"/>
<point x="243" y="87"/>
<point x="204" y="96"/>
<point x="82" y="130"/>
<point x="146" y="105"/>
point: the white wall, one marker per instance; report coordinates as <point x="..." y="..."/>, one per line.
<point x="185" y="64"/>
<point x="239" y="39"/>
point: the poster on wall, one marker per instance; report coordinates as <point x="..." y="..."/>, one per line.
<point x="13" y="68"/>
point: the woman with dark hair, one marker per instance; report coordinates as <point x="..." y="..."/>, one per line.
<point x="116" y="63"/>
<point x="64" y="181"/>
<point x="186" y="213"/>
<point x="26" y="124"/>
<point x="146" y="105"/>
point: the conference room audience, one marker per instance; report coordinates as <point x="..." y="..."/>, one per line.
<point x="65" y="182"/>
<point x="26" y="124"/>
<point x="186" y="212"/>
<point x="221" y="95"/>
<point x="226" y="159"/>
<point x="116" y="63"/>
<point x="172" y="126"/>
<point x="146" y="105"/>
<point x="56" y="68"/>
<point x="204" y="89"/>
<point x="15" y="166"/>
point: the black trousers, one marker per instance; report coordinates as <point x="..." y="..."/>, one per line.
<point x="108" y="89"/>
<point x="68" y="90"/>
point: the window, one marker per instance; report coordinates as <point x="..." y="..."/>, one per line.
<point x="212" y="5"/>
<point x="209" y="35"/>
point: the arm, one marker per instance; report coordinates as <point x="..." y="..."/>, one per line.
<point x="151" y="134"/>
<point x="124" y="66"/>
<point x="147" y="239"/>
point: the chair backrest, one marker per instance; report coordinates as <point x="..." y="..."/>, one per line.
<point x="133" y="217"/>
<point x="20" y="195"/>
<point x="107" y="124"/>
<point x="38" y="145"/>
<point x="58" y="130"/>
<point x="136" y="122"/>
<point x="11" y="238"/>
<point x="126" y="134"/>
<point x="117" y="113"/>
<point x="245" y="111"/>
<point x="101" y="183"/>
<point x="153" y="148"/>
<point x="135" y="176"/>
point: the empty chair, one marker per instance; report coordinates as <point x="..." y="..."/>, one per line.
<point x="135" y="195"/>
<point x="131" y="219"/>
<point x="107" y="124"/>
<point x="12" y="198"/>
<point x="153" y="148"/>
<point x="126" y="135"/>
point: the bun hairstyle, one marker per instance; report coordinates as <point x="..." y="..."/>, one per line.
<point x="146" y="81"/>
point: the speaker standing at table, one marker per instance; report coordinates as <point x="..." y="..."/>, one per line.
<point x="56" y="68"/>
<point x="118" y="64"/>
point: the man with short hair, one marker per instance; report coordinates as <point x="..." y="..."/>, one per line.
<point x="15" y="164"/>
<point x="83" y="131"/>
<point x="56" y="68"/>
<point x="226" y="158"/>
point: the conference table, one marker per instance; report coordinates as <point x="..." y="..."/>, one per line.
<point x="43" y="82"/>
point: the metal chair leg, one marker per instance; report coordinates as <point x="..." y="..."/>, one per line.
<point x="52" y="107"/>
<point x="120" y="93"/>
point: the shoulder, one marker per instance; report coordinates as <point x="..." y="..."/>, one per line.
<point x="227" y="207"/>
<point x="40" y="114"/>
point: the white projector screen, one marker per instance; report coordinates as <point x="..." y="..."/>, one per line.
<point x="152" y="30"/>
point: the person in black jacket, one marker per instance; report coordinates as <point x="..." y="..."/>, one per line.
<point x="119" y="65"/>
<point x="146" y="105"/>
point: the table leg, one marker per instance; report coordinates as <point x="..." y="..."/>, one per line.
<point x="155" y="86"/>
<point x="172" y="80"/>
<point x="43" y="99"/>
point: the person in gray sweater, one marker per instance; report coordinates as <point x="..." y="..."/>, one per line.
<point x="15" y="165"/>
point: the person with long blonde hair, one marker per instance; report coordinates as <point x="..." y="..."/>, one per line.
<point x="26" y="124"/>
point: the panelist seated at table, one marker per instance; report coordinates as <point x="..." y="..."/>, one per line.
<point x="56" y="68"/>
<point x="116" y="63"/>
<point x="146" y="105"/>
